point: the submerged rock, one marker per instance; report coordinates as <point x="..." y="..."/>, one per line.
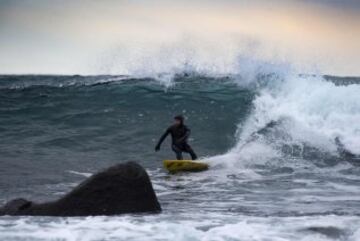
<point x="331" y="232"/>
<point x="124" y="188"/>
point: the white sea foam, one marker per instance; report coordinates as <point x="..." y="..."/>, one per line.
<point x="164" y="228"/>
<point x="306" y="110"/>
<point x="84" y="174"/>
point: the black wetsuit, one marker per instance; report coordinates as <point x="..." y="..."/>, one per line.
<point x="179" y="135"/>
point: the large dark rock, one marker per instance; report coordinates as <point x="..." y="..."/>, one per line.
<point x="124" y="188"/>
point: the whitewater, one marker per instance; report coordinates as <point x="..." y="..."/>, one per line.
<point x="283" y="149"/>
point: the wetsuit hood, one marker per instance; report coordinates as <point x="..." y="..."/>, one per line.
<point x="179" y="118"/>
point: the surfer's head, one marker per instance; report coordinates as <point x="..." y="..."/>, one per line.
<point x="179" y="120"/>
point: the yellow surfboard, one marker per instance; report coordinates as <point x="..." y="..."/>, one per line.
<point x="185" y="166"/>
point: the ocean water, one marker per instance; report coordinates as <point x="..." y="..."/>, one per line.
<point x="276" y="170"/>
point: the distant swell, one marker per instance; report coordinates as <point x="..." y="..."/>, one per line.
<point x="27" y="81"/>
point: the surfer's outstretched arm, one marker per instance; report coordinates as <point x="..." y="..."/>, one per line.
<point x="162" y="138"/>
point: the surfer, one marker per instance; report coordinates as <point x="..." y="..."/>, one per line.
<point x="179" y="135"/>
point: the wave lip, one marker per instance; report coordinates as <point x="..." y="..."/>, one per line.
<point x="307" y="111"/>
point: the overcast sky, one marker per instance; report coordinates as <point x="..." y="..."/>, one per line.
<point x="117" y="37"/>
